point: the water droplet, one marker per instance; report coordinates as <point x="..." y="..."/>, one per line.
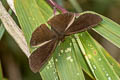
<point x="94" y="66"/>
<point x="61" y="51"/>
<point x="99" y="59"/>
<point x="56" y="78"/>
<point x="68" y="50"/>
<point x="109" y="78"/>
<point x="47" y="67"/>
<point x="50" y="66"/>
<point x="56" y="60"/>
<point x="71" y="60"/>
<point x="49" y="63"/>
<point x="107" y="74"/>
<point x="78" y="74"/>
<point x="68" y="58"/>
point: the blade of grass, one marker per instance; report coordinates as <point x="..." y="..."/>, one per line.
<point x="81" y="60"/>
<point x="23" y="10"/>
<point x="95" y="58"/>
<point x="11" y="4"/>
<point x="84" y="64"/>
<point x="45" y="10"/>
<point x="67" y="61"/>
<point x="108" y="29"/>
<point x="2" y="30"/>
<point x="30" y="16"/>
<point x="112" y="61"/>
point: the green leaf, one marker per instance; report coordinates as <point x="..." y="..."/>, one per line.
<point x="112" y="61"/>
<point x="68" y="61"/>
<point x="95" y="58"/>
<point x="30" y="17"/>
<point x="108" y="29"/>
<point x="1" y="76"/>
<point x="24" y="16"/>
<point x="2" y="30"/>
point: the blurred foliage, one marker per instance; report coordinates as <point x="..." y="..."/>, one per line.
<point x="9" y="49"/>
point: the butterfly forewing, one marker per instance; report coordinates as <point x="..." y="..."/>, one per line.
<point x="60" y="22"/>
<point x="83" y="23"/>
<point x="41" y="55"/>
<point x="42" y="35"/>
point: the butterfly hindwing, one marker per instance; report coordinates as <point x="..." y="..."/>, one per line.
<point x="41" y="35"/>
<point x="83" y="23"/>
<point x="41" y="55"/>
<point x="60" y="22"/>
<point x="63" y="24"/>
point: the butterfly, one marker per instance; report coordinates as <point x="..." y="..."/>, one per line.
<point x="62" y="25"/>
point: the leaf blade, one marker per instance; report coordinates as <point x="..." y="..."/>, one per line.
<point x="99" y="65"/>
<point x="108" y="29"/>
<point x="2" y="30"/>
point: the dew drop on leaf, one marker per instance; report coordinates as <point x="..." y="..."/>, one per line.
<point x="109" y="78"/>
<point x="78" y="74"/>
<point x="56" y="60"/>
<point x="61" y="51"/>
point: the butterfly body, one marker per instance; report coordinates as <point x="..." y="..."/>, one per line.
<point x="62" y="25"/>
<point x="59" y="36"/>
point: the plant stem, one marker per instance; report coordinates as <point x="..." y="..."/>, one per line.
<point x="54" y="4"/>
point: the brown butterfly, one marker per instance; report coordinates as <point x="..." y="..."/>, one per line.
<point x="61" y="25"/>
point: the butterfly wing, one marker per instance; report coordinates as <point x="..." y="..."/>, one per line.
<point x="41" y="55"/>
<point x="61" y="22"/>
<point x="83" y="23"/>
<point x="41" y="35"/>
